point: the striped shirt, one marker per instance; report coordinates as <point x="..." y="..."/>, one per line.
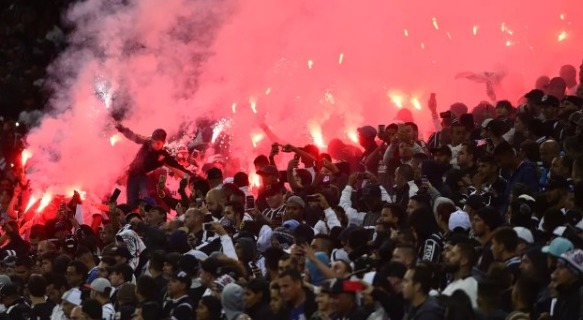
<point x="275" y="215"/>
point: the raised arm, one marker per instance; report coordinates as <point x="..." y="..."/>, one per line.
<point x="130" y="135"/>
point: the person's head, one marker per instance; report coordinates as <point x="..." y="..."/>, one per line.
<point x="276" y="302"/>
<point x="256" y="293"/>
<point x="274" y="195"/>
<point x="241" y="179"/>
<point x="487" y="166"/>
<point x="294" y="209"/>
<point x="504" y="243"/>
<point x="343" y="297"/>
<point x="405" y="151"/>
<point x="22" y="267"/>
<point x="214" y="177"/>
<point x="393" y="215"/>
<point x="45" y="246"/>
<point x="146" y="289"/>
<point x="179" y="284"/>
<point x="156" y="216"/>
<point x="529" y="150"/>
<point x="467" y="156"/>
<point x="458" y="133"/>
<point x="416" y="202"/>
<point x="366" y="135"/>
<point x="422" y="222"/>
<point x="442" y="155"/>
<point x="403" y="174"/>
<point x="503" y="108"/>
<point x="548" y="151"/>
<point x="37" y="286"/>
<point x="193" y="219"/>
<point x="404" y="254"/>
<point x="56" y="286"/>
<point x="215" y="200"/>
<point x="569" y="74"/>
<point x="569" y="269"/>
<point x="417" y="283"/>
<point x="158" y="139"/>
<point x="323" y="298"/>
<point x="557" y="87"/>
<point x="92" y="309"/>
<point x="234" y="211"/>
<point x="260" y="162"/>
<point x="291" y="285"/>
<point x="71" y="299"/>
<point x="462" y="256"/>
<point x="561" y="167"/>
<point x="120" y="273"/>
<point x="77" y="314"/>
<point x="485" y="221"/>
<point x="101" y="289"/>
<point x="76" y="274"/>
<point x="505" y="156"/>
<point x="208" y="271"/>
<point x="269" y="175"/>
<point x="209" y="308"/>
<point x="341" y="268"/>
<point x="104" y="265"/>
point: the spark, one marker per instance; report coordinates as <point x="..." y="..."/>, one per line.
<point x="406" y="32"/>
<point x="562" y="36"/>
<point x="422" y="45"/>
<point x="103" y="89"/>
<point x="220" y="127"/>
<point x="26" y="154"/>
<point x="267" y="91"/>
<point x="415" y="102"/>
<point x="396" y="99"/>
<point x="255" y="139"/>
<point x="234" y="107"/>
<point x="115" y="139"/>
<point x="475" y="30"/>
<point x="328" y="97"/>
<point x="435" y="25"/>
<point x="44" y="201"/>
<point x="562" y="16"/>
<point x="353" y="136"/>
<point x="508" y="43"/>
<point x="253" y="104"/>
<point x="340" y="58"/>
<point x="316" y="133"/>
<point x="310" y="64"/>
<point x="503" y="27"/>
<point x="449" y="35"/>
<point x="31" y="202"/>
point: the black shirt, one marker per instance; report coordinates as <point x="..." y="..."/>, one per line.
<point x="42" y="311"/>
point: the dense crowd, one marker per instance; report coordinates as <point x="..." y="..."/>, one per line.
<point x="483" y="220"/>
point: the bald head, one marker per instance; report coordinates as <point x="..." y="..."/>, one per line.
<point x="216" y="199"/>
<point x="548" y="151"/>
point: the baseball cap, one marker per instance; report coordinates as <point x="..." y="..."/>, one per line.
<point x="99" y="285"/>
<point x="122" y="251"/>
<point x="549" y="101"/>
<point x="297" y="200"/>
<point x="268" y="170"/>
<point x="339" y="285"/>
<point x="8" y="290"/>
<point x="73" y="296"/>
<point x="188" y="263"/>
<point x="367" y="132"/>
<point x="290" y="224"/>
<point x="557" y="247"/>
<point x="486" y="122"/>
<point x="182" y="277"/>
<point x="123" y="269"/>
<point x="273" y="189"/>
<point x="524" y="234"/>
<point x="573" y="260"/>
<point x="459" y="219"/>
<point x="4" y="280"/>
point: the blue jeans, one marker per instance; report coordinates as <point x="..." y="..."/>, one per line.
<point x="137" y="188"/>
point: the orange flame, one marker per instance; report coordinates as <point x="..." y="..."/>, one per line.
<point x="406" y="32"/>
<point x="435" y="25"/>
<point x="316" y="133"/>
<point x="234" y="107"/>
<point x="396" y="98"/>
<point x="253" y="104"/>
<point x="415" y="102"/>
<point x="31" y="202"/>
<point x="44" y="202"/>
<point x="310" y="64"/>
<point x="255" y="180"/>
<point x="267" y="91"/>
<point x="115" y="139"/>
<point x="255" y="139"/>
<point x="353" y="136"/>
<point x="562" y="36"/>
<point x="26" y="154"/>
<point x="475" y="30"/>
<point x="340" y="58"/>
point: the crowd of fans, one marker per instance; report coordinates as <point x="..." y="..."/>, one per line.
<point x="484" y="220"/>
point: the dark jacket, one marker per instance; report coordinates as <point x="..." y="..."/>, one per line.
<point x="569" y="304"/>
<point x="180" y="309"/>
<point x="394" y="304"/>
<point x="310" y="305"/>
<point x="18" y="310"/>
<point x="356" y="314"/>
<point x="428" y="310"/>
<point x="260" y="311"/>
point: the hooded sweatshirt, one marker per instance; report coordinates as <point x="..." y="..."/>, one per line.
<point x="232" y="299"/>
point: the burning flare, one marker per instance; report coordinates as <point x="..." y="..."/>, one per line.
<point x="26" y="155"/>
<point x="115" y="139"/>
<point x="253" y="104"/>
<point x="44" y="202"/>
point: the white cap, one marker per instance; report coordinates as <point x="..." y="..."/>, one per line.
<point x="579" y="225"/>
<point x="459" y="219"/>
<point x="100" y="285"/>
<point x="73" y="296"/>
<point x="524" y="234"/>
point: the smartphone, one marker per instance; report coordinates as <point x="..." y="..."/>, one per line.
<point x="114" y="195"/>
<point x="445" y="114"/>
<point x="249" y="202"/>
<point x="207" y="226"/>
<point x="313" y="198"/>
<point x="382" y="128"/>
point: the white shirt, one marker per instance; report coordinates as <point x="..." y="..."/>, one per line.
<point x="468" y="285"/>
<point x="107" y="311"/>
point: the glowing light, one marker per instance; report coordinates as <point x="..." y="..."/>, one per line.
<point x="26" y="154"/>
<point x="340" y="58"/>
<point x="103" y="89"/>
<point x="562" y="36"/>
<point x="396" y="99"/>
<point x="255" y="139"/>
<point x="253" y="104"/>
<point x="562" y="16"/>
<point x="234" y="107"/>
<point x="422" y="45"/>
<point x="310" y="64"/>
<point x="31" y="202"/>
<point x="503" y="27"/>
<point x="267" y="91"/>
<point x="353" y="136"/>
<point x="44" y="201"/>
<point x="435" y="25"/>
<point x="115" y="139"/>
<point x="475" y="30"/>
<point x="415" y="102"/>
<point x="316" y="133"/>
<point x="255" y="180"/>
<point x="508" y="43"/>
<point x="220" y="127"/>
<point x="406" y="32"/>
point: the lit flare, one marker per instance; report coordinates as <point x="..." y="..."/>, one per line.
<point x="25" y="156"/>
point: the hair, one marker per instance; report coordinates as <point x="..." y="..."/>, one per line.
<point x="489" y="159"/>
<point x="292" y="273"/>
<point x="503" y="149"/>
<point x="527" y="291"/>
<point x="261" y="160"/>
<point x="80" y="268"/>
<point x="507" y="237"/>
<point x="531" y="150"/>
<point x="536" y="127"/>
<point x="406" y="171"/>
<point x="58" y="280"/>
<point x="237" y="207"/>
<point x="241" y="179"/>
<point x="202" y="185"/>
<point x="422" y="199"/>
<point x="410" y="124"/>
<point x="397" y="211"/>
<point x="214" y="306"/>
<point x="259" y="286"/>
<point x="458" y="306"/>
<point x="468" y="251"/>
<point x="272" y="256"/>
<point x="109" y="260"/>
<point x="423" y="275"/>
<point x="312" y="150"/>
<point x="146" y="287"/>
<point x="92" y="308"/>
<point x="423" y="222"/>
<point x="24" y="261"/>
<point x="161" y="210"/>
<point x="50" y="256"/>
<point x="157" y="259"/>
<point x="37" y="285"/>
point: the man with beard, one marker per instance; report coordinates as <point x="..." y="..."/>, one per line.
<point x="215" y="203"/>
<point x="459" y="263"/>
